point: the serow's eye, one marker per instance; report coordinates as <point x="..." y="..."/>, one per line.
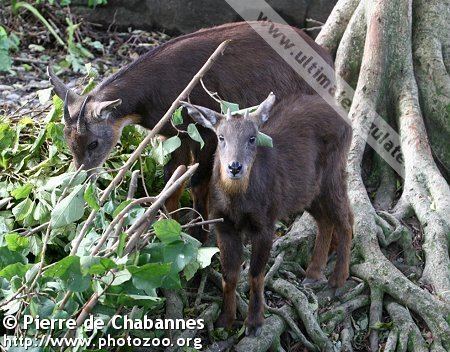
<point x="221" y="138"/>
<point x="92" y="145"/>
<point x="252" y="140"/>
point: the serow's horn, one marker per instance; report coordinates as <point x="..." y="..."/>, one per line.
<point x="81" y="123"/>
<point x="228" y="114"/>
<point x="67" y="118"/>
<point x="60" y="88"/>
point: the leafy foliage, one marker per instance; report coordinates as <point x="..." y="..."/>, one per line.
<point x="77" y="52"/>
<point x="7" y="44"/>
<point x="47" y="196"/>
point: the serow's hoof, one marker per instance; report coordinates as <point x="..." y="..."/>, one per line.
<point x="337" y="281"/>
<point x="253" y="331"/>
<point x="224" y="321"/>
<point x="308" y="282"/>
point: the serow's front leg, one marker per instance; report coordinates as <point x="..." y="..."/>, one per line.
<point x="261" y="246"/>
<point x="230" y="245"/>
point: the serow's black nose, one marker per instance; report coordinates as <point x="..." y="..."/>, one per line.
<point x="235" y="167"/>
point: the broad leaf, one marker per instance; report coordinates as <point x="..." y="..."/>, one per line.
<point x="171" y="144"/>
<point x="16" y="269"/>
<point x="8" y="257"/>
<point x="225" y="105"/>
<point x="167" y="230"/>
<point x="64" y="179"/>
<point x="90" y="197"/>
<point x="23" y="209"/>
<point x="121" y="207"/>
<point x="263" y="140"/>
<point x="16" y="242"/>
<point x="69" y="210"/>
<point x="195" y="135"/>
<point x="205" y="255"/>
<point x="149" y="276"/>
<point x="96" y="265"/>
<point x="22" y="191"/>
<point x="177" y="117"/>
<point x="69" y="271"/>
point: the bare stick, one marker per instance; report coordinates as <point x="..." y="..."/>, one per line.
<point x="139" y="227"/>
<point x="120" y="218"/>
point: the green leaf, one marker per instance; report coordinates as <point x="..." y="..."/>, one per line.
<point x="195" y="135"/>
<point x="90" y="197"/>
<point x="8" y="257"/>
<point x="179" y="254"/>
<point x="263" y="140"/>
<point x="90" y="86"/>
<point x="41" y="306"/>
<point x="225" y="105"/>
<point x="191" y="269"/>
<point x="121" y="245"/>
<point x="23" y="209"/>
<point x="167" y="230"/>
<point x="171" y="144"/>
<point x="69" y="271"/>
<point x="7" y="135"/>
<point x="16" y="269"/>
<point x="41" y="212"/>
<point x="149" y="276"/>
<point x="44" y="95"/>
<point x="119" y="277"/>
<point x="64" y="179"/>
<point x="55" y="132"/>
<point x="22" y="191"/>
<point x="205" y="255"/>
<point x="177" y="117"/>
<point x="121" y="207"/>
<point x="96" y="265"/>
<point x="69" y="210"/>
<point x="16" y="242"/>
<point x="5" y="61"/>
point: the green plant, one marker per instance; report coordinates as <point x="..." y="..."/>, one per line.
<point x="49" y="204"/>
<point x="76" y="52"/>
<point x="17" y="5"/>
<point x="7" y="44"/>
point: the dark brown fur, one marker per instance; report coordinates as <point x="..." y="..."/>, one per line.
<point x="305" y="170"/>
<point x="245" y="74"/>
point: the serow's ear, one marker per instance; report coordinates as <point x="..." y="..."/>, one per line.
<point x="103" y="109"/>
<point x="261" y="115"/>
<point x="206" y="117"/>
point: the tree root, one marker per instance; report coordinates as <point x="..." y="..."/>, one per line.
<point x="300" y="302"/>
<point x="409" y="334"/>
<point x="338" y="314"/>
<point x="376" y="310"/>
<point x="287" y="314"/>
<point x="400" y="234"/>
<point x="209" y="315"/>
<point x="174" y="309"/>
<point x="271" y="330"/>
<point x="331" y="33"/>
<point x="347" y="334"/>
<point x="425" y="190"/>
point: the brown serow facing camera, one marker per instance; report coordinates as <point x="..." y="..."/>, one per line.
<point x="254" y="186"/>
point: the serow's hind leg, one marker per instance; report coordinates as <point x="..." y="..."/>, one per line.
<point x="344" y="233"/>
<point x="314" y="273"/>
